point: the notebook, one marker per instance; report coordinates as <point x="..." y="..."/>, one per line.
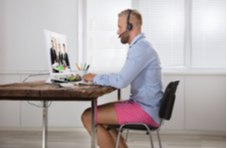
<point x="58" y="58"/>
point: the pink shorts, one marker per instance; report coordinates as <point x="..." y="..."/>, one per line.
<point x="130" y="112"/>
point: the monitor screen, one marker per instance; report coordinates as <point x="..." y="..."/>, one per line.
<point x="57" y="52"/>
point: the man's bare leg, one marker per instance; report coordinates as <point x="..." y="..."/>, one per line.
<point x="105" y="115"/>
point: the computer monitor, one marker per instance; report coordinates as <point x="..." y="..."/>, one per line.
<point x="57" y="53"/>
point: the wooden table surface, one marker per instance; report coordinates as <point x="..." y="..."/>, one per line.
<point x="39" y="90"/>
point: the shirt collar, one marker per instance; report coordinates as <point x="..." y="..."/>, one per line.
<point x="136" y="39"/>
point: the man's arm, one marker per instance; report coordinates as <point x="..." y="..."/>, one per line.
<point x="134" y="64"/>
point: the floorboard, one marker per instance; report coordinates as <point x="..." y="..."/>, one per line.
<point x="80" y="139"/>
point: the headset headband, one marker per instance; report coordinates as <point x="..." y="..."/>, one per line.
<point x="129" y="25"/>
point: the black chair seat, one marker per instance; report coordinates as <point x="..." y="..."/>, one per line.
<point x="131" y="127"/>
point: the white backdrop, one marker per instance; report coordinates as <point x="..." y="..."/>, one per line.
<point x="22" y="43"/>
<point x="201" y="97"/>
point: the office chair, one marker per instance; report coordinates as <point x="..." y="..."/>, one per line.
<point x="165" y="112"/>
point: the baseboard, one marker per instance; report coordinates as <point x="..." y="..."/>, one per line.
<point x="162" y="131"/>
<point x="60" y="129"/>
<point x="194" y="132"/>
<point x="191" y="132"/>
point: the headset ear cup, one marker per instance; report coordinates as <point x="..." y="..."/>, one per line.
<point x="129" y="26"/>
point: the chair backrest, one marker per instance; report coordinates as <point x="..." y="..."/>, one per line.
<point x="168" y="100"/>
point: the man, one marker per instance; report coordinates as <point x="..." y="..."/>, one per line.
<point x="53" y="54"/>
<point x="65" y="56"/>
<point x="142" y="71"/>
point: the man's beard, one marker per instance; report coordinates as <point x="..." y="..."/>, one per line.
<point x="124" y="37"/>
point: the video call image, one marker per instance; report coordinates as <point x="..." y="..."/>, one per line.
<point x="58" y="53"/>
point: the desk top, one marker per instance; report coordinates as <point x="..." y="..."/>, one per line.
<point x="41" y="91"/>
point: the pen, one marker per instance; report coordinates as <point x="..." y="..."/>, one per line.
<point x="84" y="68"/>
<point x="87" y="67"/>
<point x="77" y="66"/>
<point x="81" y="65"/>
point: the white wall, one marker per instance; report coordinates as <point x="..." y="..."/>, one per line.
<point x="22" y="36"/>
<point x="200" y="102"/>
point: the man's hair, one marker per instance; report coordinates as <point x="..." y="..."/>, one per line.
<point x="135" y="16"/>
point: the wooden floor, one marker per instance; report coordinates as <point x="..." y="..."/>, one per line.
<point x="80" y="139"/>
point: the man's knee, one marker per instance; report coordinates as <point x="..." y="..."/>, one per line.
<point x="86" y="116"/>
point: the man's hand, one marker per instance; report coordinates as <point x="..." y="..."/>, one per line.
<point x="89" y="77"/>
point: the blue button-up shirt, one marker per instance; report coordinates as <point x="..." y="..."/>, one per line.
<point x="143" y="72"/>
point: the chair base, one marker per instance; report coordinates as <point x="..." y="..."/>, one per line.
<point x="136" y="126"/>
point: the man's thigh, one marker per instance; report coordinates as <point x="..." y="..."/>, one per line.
<point x="106" y="114"/>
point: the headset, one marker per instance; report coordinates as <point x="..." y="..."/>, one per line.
<point x="129" y="25"/>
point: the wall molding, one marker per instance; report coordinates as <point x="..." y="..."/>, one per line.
<point x="162" y="131"/>
<point x="164" y="71"/>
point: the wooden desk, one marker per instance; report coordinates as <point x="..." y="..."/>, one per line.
<point x="41" y="91"/>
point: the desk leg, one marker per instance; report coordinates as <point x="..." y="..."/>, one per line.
<point x="93" y="120"/>
<point x="119" y="94"/>
<point x="45" y="122"/>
